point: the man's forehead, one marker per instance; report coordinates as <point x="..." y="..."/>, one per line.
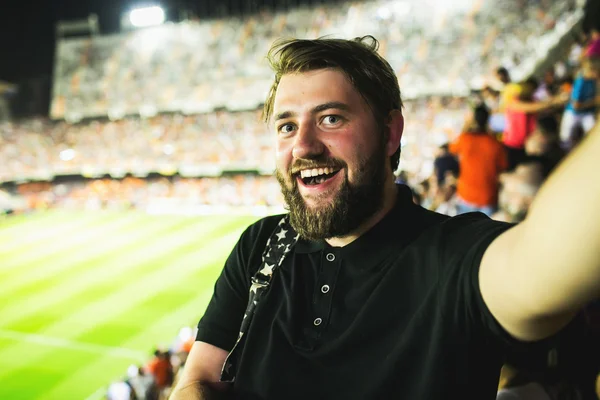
<point x="306" y="90"/>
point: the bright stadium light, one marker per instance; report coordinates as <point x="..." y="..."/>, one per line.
<point x="147" y="16"/>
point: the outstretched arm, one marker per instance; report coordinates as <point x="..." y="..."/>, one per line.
<point x="537" y="275"/>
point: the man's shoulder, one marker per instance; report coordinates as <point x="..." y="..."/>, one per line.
<point x="257" y="233"/>
<point x="458" y="230"/>
<point x="471" y="220"/>
<point x="468" y="232"/>
<point x="262" y="228"/>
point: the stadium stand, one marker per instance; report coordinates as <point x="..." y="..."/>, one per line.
<point x="196" y="67"/>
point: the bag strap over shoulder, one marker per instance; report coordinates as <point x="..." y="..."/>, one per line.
<point x="280" y="243"/>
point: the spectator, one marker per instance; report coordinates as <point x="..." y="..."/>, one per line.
<point x="161" y="369"/>
<point x="445" y="163"/>
<point x="548" y="88"/>
<point x="519" y="188"/>
<point x="482" y="159"/>
<point x="580" y="112"/>
<point x="521" y="110"/>
<point x="143" y="385"/>
<point x="120" y="390"/>
<point x="543" y="146"/>
<point x="593" y="48"/>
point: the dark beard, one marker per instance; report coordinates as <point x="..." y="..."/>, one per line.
<point x="353" y="204"/>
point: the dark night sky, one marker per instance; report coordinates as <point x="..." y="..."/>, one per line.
<point x="27" y="40"/>
<point x="28" y="26"/>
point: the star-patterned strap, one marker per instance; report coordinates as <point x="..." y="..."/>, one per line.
<point x="280" y="243"/>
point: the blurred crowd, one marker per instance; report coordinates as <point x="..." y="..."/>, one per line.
<point x="512" y="138"/>
<point x="196" y="145"/>
<point x="157" y="194"/>
<point x="526" y="126"/>
<point x="153" y="380"/>
<point x="435" y="47"/>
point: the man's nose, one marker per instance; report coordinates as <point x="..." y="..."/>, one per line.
<point x="307" y="144"/>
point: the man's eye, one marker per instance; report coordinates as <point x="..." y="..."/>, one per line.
<point x="286" y="128"/>
<point x="331" y="119"/>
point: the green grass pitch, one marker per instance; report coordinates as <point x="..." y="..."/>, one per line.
<point x="83" y="295"/>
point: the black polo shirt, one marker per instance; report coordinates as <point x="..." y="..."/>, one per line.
<point x="396" y="314"/>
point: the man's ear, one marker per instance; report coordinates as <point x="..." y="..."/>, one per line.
<point x="395" y="128"/>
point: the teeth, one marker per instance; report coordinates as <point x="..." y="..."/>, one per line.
<point x="307" y="173"/>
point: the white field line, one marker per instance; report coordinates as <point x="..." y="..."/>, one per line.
<point x="97" y="395"/>
<point x="120" y="352"/>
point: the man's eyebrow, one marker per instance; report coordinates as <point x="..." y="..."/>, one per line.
<point x="321" y="107"/>
<point x="284" y="115"/>
<point x="332" y="104"/>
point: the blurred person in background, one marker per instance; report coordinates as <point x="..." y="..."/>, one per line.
<point x="543" y="145"/>
<point x="518" y="191"/>
<point x="481" y="158"/>
<point x="503" y="77"/>
<point x="521" y="112"/>
<point x="592" y="49"/>
<point x="120" y="390"/>
<point x="580" y="113"/>
<point x="161" y="369"/>
<point x="411" y="304"/>
<point x="445" y="163"/>
<point x="143" y="384"/>
<point x="548" y="88"/>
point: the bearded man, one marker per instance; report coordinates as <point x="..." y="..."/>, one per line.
<point x="358" y="293"/>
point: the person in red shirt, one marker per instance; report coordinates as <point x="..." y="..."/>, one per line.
<point x="521" y="118"/>
<point x="481" y="158"/>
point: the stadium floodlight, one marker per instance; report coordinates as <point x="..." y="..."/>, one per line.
<point x="147" y="16"/>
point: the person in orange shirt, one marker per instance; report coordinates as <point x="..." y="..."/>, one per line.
<point x="160" y="367"/>
<point x="481" y="158"/>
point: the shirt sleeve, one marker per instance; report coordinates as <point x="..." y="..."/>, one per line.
<point x="221" y="322"/>
<point x="464" y="242"/>
<point x="577" y="93"/>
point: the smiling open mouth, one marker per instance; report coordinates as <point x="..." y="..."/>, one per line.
<point x="315" y="176"/>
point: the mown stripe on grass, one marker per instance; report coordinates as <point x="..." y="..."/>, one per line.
<point x="97" y="375"/>
<point x="40" y="229"/>
<point x="16" y="225"/>
<point x="122" y="301"/>
<point x="119" y="267"/>
<point x="61" y="247"/>
<point x="94" y="251"/>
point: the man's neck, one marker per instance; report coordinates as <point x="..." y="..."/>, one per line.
<point x="390" y="194"/>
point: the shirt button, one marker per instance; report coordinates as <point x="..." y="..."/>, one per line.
<point x="330" y="257"/>
<point x="317" y="321"/>
<point x="324" y="288"/>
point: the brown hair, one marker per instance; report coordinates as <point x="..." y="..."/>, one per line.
<point x="369" y="73"/>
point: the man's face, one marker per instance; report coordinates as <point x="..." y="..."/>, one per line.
<point x="331" y="153"/>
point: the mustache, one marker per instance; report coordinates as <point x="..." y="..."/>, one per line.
<point x="320" y="162"/>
